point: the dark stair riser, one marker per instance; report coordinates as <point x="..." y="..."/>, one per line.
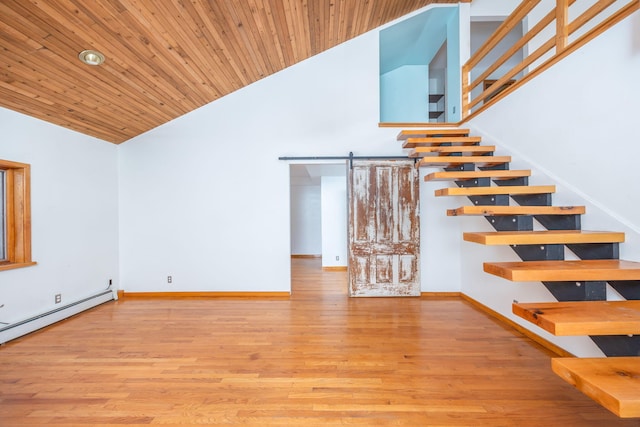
<point x="532" y="199"/>
<point x="472" y="167"/>
<point x="476" y="182"/>
<point x="455" y="154"/>
<point x="577" y="291"/>
<point x="498" y="167"/>
<point x="556" y="251"/>
<point x="525" y="222"/>
<point x="618" y="345"/>
<point x="465" y="167"/>
<point x="460" y="154"/>
<point x="596" y="250"/>
<point x="503" y="200"/>
<point x="559" y="222"/>
<point x="512" y="182"/>
<point x="539" y="252"/>
<point x="486" y="182"/>
<point x="491" y="200"/>
<point x="629" y="289"/>
<point x="511" y="222"/>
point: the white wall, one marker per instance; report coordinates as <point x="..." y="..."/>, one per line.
<point x="74" y="206"/>
<point x="440" y="236"/>
<point x="306" y="234"/>
<point x="205" y="199"/>
<point x="334" y="221"/>
<point x="575" y="126"/>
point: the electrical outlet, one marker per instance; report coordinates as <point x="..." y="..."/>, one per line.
<point x="58" y="298"/>
<point x="337" y="258"/>
<point x="169" y="279"/>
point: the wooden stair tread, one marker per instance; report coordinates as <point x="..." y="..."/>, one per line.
<point x="447" y="150"/>
<point x="552" y="271"/>
<point x="439" y="141"/>
<point x="583" y="317"/>
<point x="487" y="191"/>
<point x="424" y="133"/>
<point x="488" y="210"/>
<point x="465" y="175"/>
<point x="445" y="161"/>
<point x="613" y="382"/>
<point x="543" y="237"/>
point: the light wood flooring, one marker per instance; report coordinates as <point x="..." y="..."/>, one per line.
<point x="316" y="359"/>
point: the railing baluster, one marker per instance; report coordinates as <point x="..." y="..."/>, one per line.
<point x="560" y="39"/>
<point x="465" y="90"/>
<point x="514" y="19"/>
<point x="562" y="24"/>
<point x="548" y="19"/>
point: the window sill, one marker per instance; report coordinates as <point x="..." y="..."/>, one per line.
<point x="12" y="265"/>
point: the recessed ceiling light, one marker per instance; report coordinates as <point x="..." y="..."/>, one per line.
<point x="91" y="57"/>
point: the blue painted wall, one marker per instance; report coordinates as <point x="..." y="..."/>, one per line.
<point x="403" y="94"/>
<point x="406" y="49"/>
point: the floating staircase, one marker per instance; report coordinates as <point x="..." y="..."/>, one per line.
<point x="579" y="285"/>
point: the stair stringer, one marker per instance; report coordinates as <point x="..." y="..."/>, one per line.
<point x="598" y="217"/>
<point x="497" y="294"/>
<point x="492" y="291"/>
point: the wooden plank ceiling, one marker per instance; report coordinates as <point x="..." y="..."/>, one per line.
<point x="163" y="58"/>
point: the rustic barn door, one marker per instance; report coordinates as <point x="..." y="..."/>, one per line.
<point x="384" y="229"/>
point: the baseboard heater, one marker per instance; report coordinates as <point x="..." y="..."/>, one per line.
<point x="18" y="329"/>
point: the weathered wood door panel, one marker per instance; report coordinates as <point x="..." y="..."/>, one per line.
<point x="384" y="229"/>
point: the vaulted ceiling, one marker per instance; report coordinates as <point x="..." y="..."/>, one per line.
<point x="163" y="58"/>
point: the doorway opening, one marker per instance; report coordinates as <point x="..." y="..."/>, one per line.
<point x="360" y="217"/>
<point x="318" y="200"/>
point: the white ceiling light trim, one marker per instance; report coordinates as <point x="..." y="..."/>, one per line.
<point x="91" y="57"/>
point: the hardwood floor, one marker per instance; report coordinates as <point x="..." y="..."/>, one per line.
<point x="316" y="359"/>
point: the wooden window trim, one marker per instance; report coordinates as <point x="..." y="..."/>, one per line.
<point x="18" y="210"/>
